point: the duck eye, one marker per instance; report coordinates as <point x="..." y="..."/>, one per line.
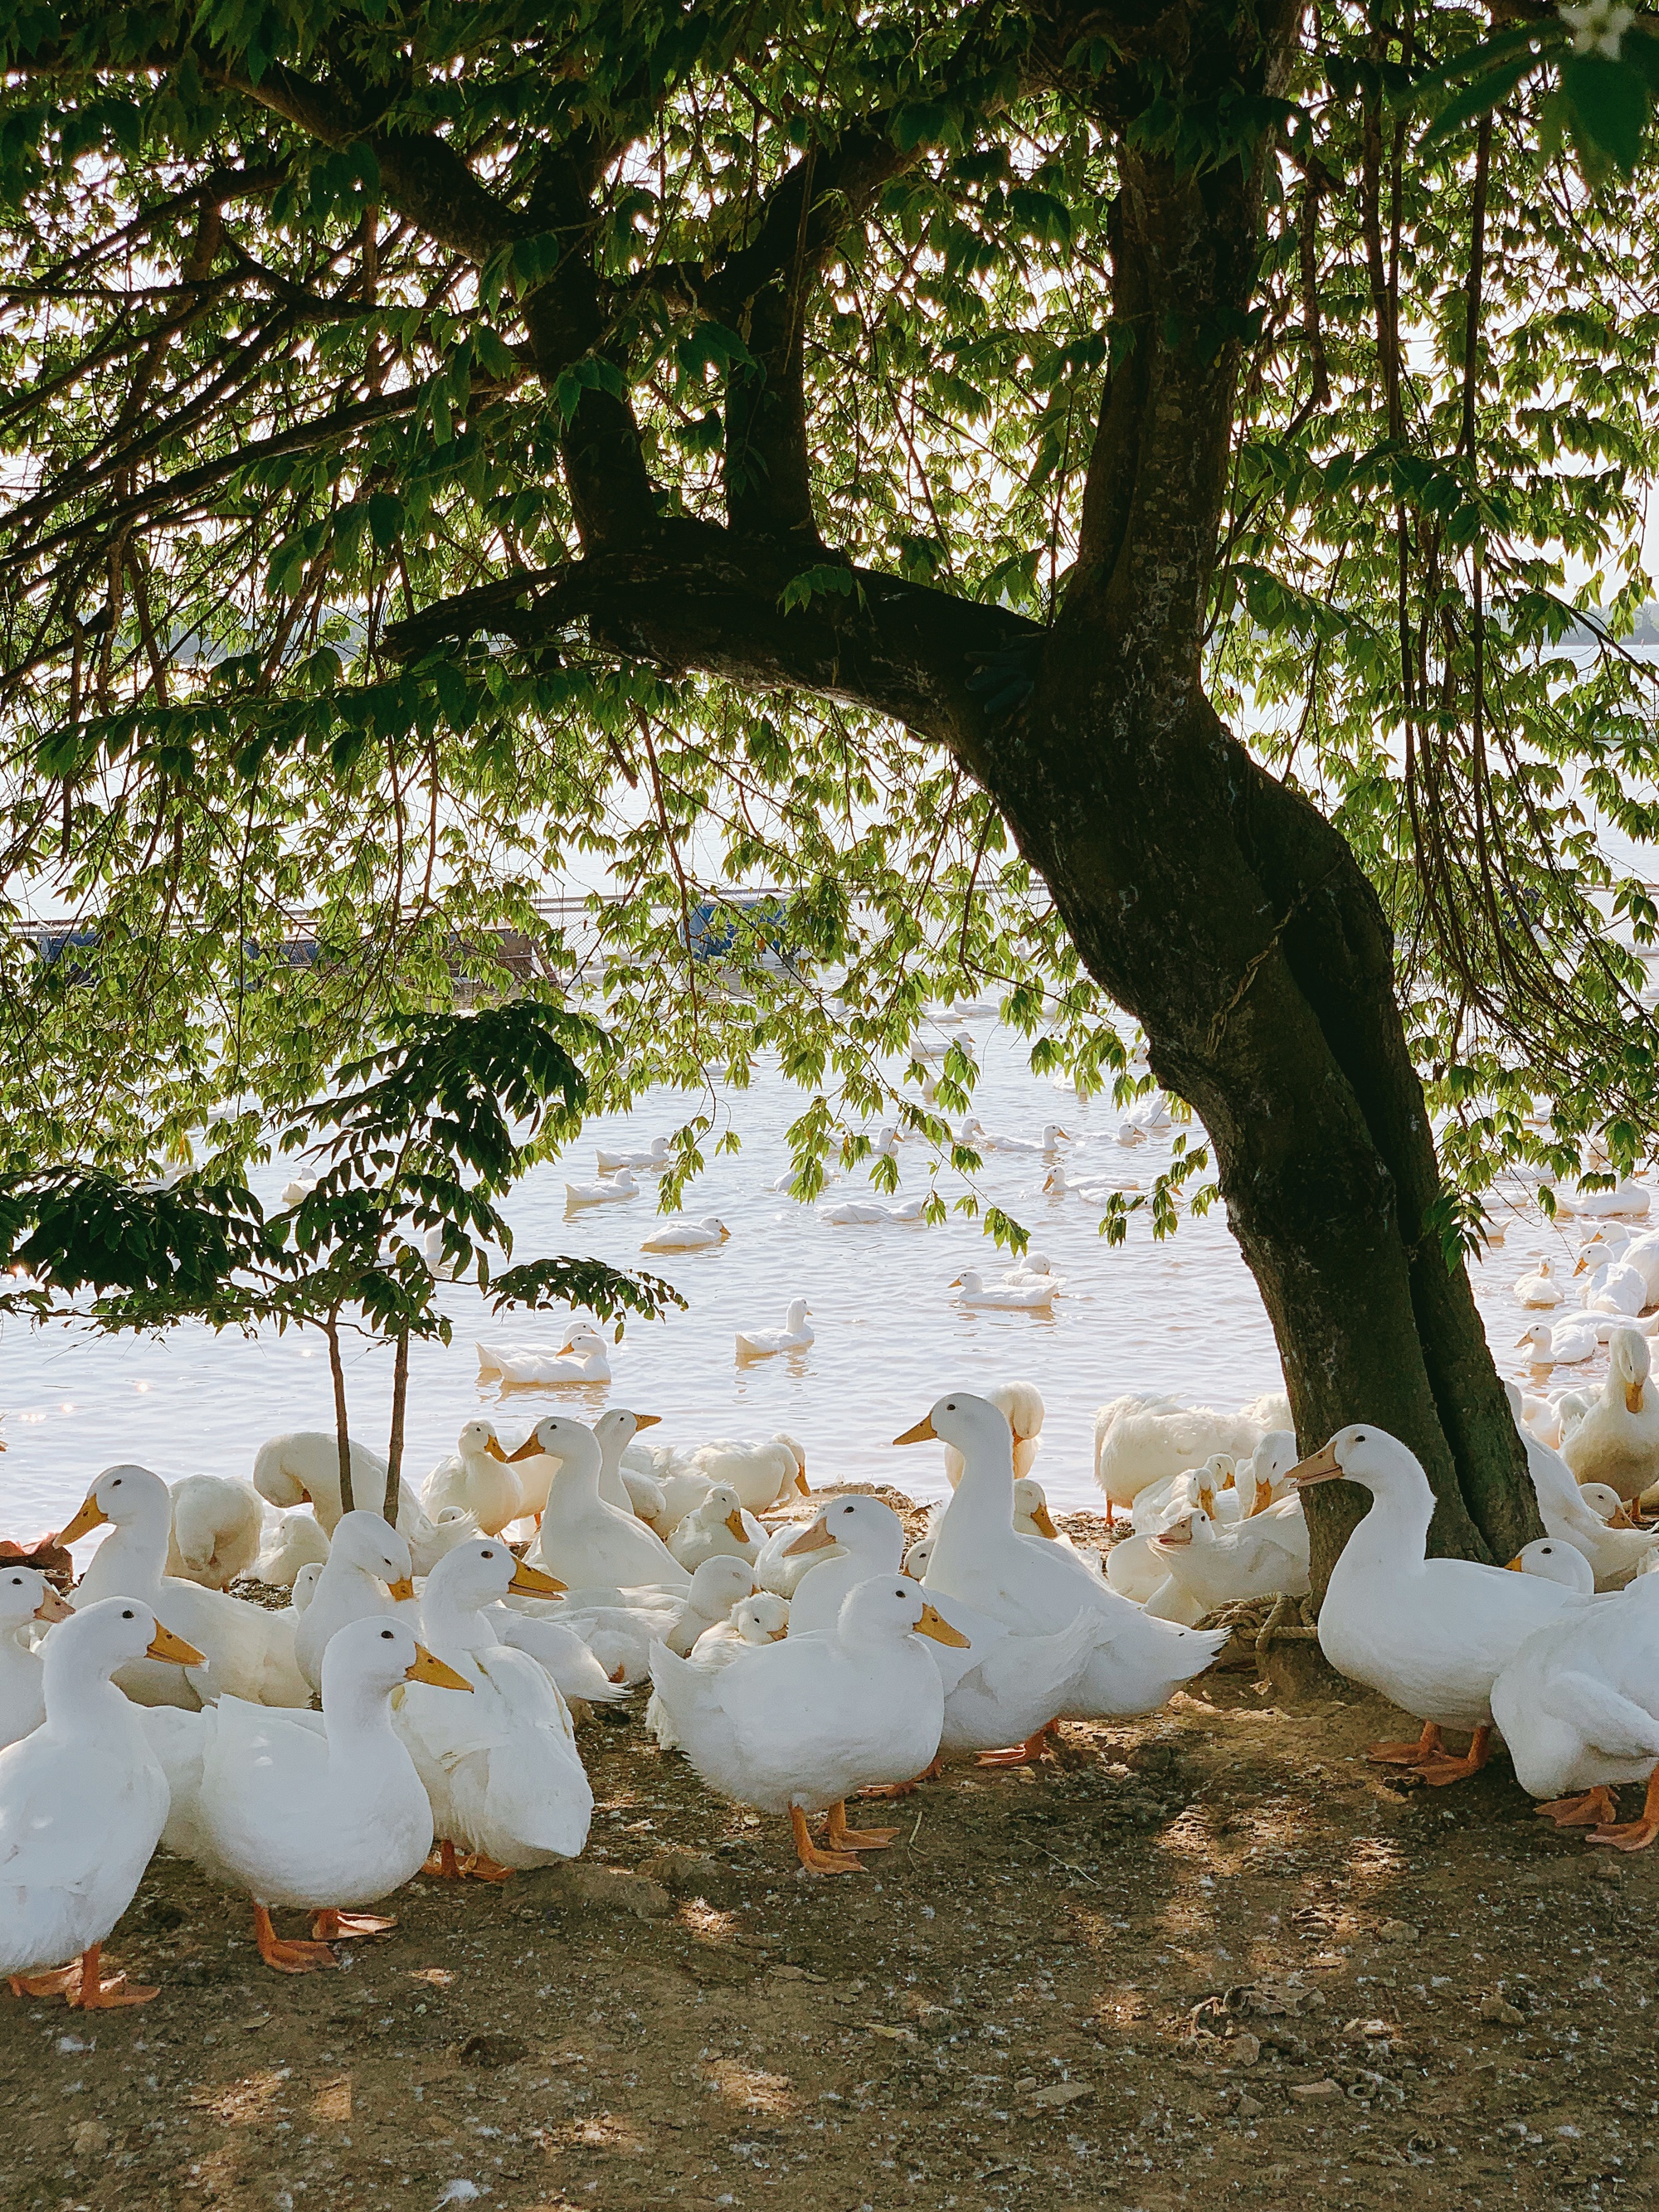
<point x="129" y="1614"/>
<point x="385" y="1636"/>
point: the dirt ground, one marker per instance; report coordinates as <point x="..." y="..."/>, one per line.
<point x="1208" y="1958"/>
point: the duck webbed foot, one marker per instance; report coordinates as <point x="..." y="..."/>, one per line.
<point x="1593" y="1809"/>
<point x="1634" y="1835"/>
<point x="82" y="1985"/>
<point x="329" y="1926"/>
<point x="814" y="1860"/>
<point x="1427" y="1747"/>
<point x="841" y="1838"/>
<point x="1437" y="1772"/>
<point x="905" y="1789"/>
<point x="288" y="1958"/>
<point x="1022" y="1754"/>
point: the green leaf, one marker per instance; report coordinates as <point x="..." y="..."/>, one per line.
<point x="1608" y="105"/>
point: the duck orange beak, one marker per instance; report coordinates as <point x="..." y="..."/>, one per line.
<point x="528" y="1450"/>
<point x="91" y="1515"/>
<point x="920" y="1434"/>
<point x="1323" y="1467"/>
<point x="933" y="1623"/>
<point x="53" y="1606"/>
<point x="533" y="1583"/>
<point x="495" y="1452"/>
<point x="1633" y="1397"/>
<point x="647" y="1420"/>
<point x="734" y="1522"/>
<point x="403" y="1590"/>
<point x="1043" y="1521"/>
<point x="164" y="1644"/>
<point x="427" y="1668"/>
<point x="815" y="1537"/>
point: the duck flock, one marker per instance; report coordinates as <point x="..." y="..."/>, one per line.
<point x="414" y="1706"/>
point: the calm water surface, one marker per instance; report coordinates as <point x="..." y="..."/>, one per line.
<point x="1182" y="1317"/>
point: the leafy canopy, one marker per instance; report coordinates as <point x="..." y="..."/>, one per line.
<point x="317" y="315"/>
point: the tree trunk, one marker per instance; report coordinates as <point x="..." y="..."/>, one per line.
<point x="394" y="1450"/>
<point x="342" y="1432"/>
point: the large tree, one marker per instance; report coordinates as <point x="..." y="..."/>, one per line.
<point x="1093" y="498"/>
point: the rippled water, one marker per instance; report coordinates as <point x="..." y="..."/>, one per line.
<point x="1183" y="1315"/>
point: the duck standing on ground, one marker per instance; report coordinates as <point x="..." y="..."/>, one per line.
<point x="798" y="1726"/>
<point x="82" y="1802"/>
<point x="505" y="1778"/>
<point x="321" y="1812"/>
<point x="1037" y="1588"/>
<point x="1579" y="1705"/>
<point x="582" y="1539"/>
<point x="1432" y="1635"/>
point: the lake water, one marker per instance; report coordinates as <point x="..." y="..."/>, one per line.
<point x="1183" y="1315"/>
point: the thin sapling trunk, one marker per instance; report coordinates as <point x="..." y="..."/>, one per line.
<point x="394" y="1455"/>
<point x="342" y="1430"/>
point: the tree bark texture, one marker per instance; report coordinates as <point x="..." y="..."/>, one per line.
<point x="342" y="1427"/>
<point x="394" y="1450"/>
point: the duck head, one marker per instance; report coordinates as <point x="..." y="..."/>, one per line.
<point x="121" y="1495"/>
<point x="723" y="1507"/>
<point x="1031" y="1504"/>
<point x="617" y="1426"/>
<point x="473" y="1575"/>
<point x="763" y="1620"/>
<point x="115" y="1633"/>
<point x="1555" y="1561"/>
<point x="717" y="1585"/>
<point x="970" y="1424"/>
<point x="1364" y="1453"/>
<point x="369" y="1543"/>
<point x="860" y="1524"/>
<point x="887" y="1607"/>
<point x="917" y="1559"/>
<point x="373" y="1656"/>
<point x="1630" y="1362"/>
<point x="563" y="1438"/>
<point x="26" y="1595"/>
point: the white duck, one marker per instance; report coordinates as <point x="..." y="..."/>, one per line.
<point x="973" y="1291"/>
<point x="366" y="1576"/>
<point x="1618" y="1440"/>
<point x="765" y="1473"/>
<point x="1431" y="1634"/>
<point x="1591" y="1515"/>
<point x="1034" y="1270"/>
<point x="25" y="1598"/>
<point x="609" y="1190"/>
<point x="1616" y="1289"/>
<point x="297" y="1541"/>
<point x="581" y="1539"/>
<point x="718" y="1528"/>
<point x="1022" y="1402"/>
<point x="870" y="1213"/>
<point x="797" y="1726"/>
<point x="1556" y="1561"/>
<point x="653" y="1160"/>
<point x="506" y="1780"/>
<point x="1579" y="1705"/>
<point x="1213" y="1564"/>
<point x="1044" y="1147"/>
<point x="217" y="1528"/>
<point x="477" y="1479"/>
<point x="796" y="1336"/>
<point x="322" y="1812"/>
<point x="1565" y="1345"/>
<point x="1000" y="1689"/>
<point x="1131" y="1664"/>
<point x="250" y="1652"/>
<point x="680" y="1236"/>
<point x="1539" y="1288"/>
<point x="621" y="1634"/>
<point x="1140" y="1440"/>
<point x="584" y="1356"/>
<point x="303" y="1468"/>
<point x="620" y="1484"/>
<point x="82" y="1800"/>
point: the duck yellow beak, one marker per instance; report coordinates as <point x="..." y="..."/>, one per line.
<point x="776" y="1634"/>
<point x="1323" y="1467"/>
<point x="954" y="1284"/>
<point x="933" y="1623"/>
<point x="403" y="1590"/>
<point x="529" y="1448"/>
<point x="734" y="1523"/>
<point x="1181" y="1534"/>
<point x="1261" y="1501"/>
<point x="305" y="1498"/>
<point x="801" y="1483"/>
<point x="1043" y="1521"/>
<point x="428" y="1669"/>
<point x="164" y="1644"/>
<point x="920" y="1435"/>
<point x="647" y="1420"/>
<point x="815" y="1537"/>
<point x="1633" y="1397"/>
<point x="53" y="1606"/>
<point x="495" y="1452"/>
<point x="1514" y="1566"/>
<point x="91" y="1515"/>
<point x="534" y="1583"/>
